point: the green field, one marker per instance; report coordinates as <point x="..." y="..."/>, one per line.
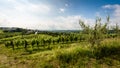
<point x="92" y="47"/>
<point x="58" y="53"/>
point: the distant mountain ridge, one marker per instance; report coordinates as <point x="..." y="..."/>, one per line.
<point x="16" y="29"/>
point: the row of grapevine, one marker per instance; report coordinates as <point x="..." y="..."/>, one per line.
<point x="42" y="42"/>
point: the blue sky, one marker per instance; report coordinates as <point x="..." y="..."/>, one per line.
<point x="56" y="14"/>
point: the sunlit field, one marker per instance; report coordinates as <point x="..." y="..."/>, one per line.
<point x="59" y="33"/>
<point x="59" y="50"/>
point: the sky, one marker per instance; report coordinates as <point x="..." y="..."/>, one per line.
<point x="56" y="14"/>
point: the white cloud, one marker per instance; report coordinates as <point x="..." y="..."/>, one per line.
<point x="58" y="23"/>
<point x="21" y="17"/>
<point x="25" y="14"/>
<point x="116" y="9"/>
<point x="116" y="13"/>
<point x="26" y="6"/>
<point x="35" y="8"/>
<point x="61" y="10"/>
<point x="107" y="6"/>
<point x="11" y="0"/>
<point x="39" y="8"/>
<point x="65" y="23"/>
<point x="21" y="13"/>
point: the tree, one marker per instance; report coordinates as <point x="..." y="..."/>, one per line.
<point x="96" y="33"/>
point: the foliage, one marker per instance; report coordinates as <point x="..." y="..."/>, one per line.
<point x="96" y="33"/>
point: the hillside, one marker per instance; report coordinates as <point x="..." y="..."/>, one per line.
<point x="78" y="54"/>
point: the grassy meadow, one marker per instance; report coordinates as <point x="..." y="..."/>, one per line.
<point x="68" y="54"/>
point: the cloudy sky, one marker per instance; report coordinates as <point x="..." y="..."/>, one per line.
<point x="56" y="14"/>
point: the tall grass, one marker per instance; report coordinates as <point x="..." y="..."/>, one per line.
<point x="109" y="50"/>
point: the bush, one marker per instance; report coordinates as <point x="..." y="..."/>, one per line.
<point x="73" y="55"/>
<point x="107" y="50"/>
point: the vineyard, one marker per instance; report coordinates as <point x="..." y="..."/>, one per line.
<point x="92" y="47"/>
<point x="36" y="42"/>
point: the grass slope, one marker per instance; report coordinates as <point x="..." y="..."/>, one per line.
<point x="72" y="55"/>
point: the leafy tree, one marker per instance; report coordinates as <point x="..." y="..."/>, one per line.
<point x="96" y="33"/>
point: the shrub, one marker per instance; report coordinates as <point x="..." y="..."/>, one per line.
<point x="96" y="33"/>
<point x="73" y="55"/>
<point x="107" y="50"/>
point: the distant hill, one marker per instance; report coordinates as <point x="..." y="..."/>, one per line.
<point x="12" y="29"/>
<point x="15" y="29"/>
<point x="60" y="31"/>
